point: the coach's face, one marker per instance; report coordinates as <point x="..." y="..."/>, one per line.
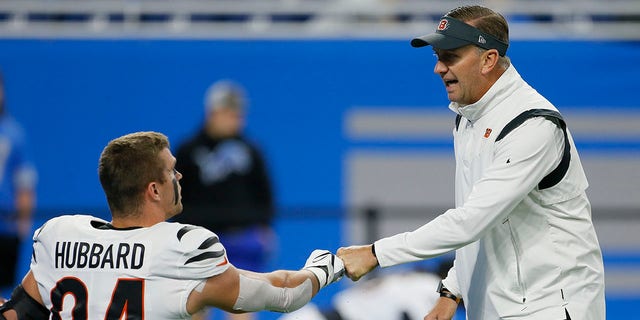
<point x="170" y="188"/>
<point x="461" y="73"/>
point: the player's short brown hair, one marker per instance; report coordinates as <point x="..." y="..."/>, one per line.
<point x="127" y="165"/>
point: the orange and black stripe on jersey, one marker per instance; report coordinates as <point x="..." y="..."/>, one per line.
<point x="206" y="244"/>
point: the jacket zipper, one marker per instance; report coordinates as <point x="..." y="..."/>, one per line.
<point x="516" y="248"/>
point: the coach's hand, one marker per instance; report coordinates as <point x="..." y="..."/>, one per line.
<point x="327" y="267"/>
<point x="444" y="309"/>
<point x="358" y="260"/>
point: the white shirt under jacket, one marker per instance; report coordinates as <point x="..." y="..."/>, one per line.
<point x="521" y="253"/>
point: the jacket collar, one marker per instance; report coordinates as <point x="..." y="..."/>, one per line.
<point x="503" y="88"/>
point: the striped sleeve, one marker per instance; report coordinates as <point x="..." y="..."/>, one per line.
<point x="199" y="253"/>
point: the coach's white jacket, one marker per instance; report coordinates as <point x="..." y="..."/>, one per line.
<point x="521" y="253"/>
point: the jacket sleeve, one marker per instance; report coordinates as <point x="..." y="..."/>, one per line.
<point x="451" y="281"/>
<point x="520" y="161"/>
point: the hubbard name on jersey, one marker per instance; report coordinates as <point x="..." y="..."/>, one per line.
<point x="86" y="267"/>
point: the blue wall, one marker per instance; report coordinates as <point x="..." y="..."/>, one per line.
<point x="73" y="96"/>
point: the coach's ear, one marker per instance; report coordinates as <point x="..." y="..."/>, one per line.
<point x="489" y="60"/>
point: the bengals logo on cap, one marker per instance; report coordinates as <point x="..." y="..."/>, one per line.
<point x="443" y="25"/>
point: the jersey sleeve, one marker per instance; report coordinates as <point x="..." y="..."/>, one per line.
<point x="198" y="254"/>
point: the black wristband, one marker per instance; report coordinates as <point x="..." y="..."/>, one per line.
<point x="445" y="293"/>
<point x="373" y="250"/>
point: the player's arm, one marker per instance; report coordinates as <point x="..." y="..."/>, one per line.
<point x="239" y="291"/>
<point x="25" y="302"/>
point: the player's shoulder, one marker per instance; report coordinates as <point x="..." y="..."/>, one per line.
<point x="196" y="250"/>
<point x="66" y="225"/>
<point x="179" y="230"/>
<point x="189" y="237"/>
<point x="71" y="221"/>
<point x="75" y="217"/>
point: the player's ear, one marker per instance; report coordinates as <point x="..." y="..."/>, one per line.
<point x="152" y="190"/>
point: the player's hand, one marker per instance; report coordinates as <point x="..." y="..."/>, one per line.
<point x="358" y="261"/>
<point x="444" y="309"/>
<point x="327" y="267"/>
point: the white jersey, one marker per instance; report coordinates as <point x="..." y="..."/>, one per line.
<point x="86" y="269"/>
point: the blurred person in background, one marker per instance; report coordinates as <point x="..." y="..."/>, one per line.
<point x="226" y="182"/>
<point x="525" y="244"/>
<point x="17" y="193"/>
